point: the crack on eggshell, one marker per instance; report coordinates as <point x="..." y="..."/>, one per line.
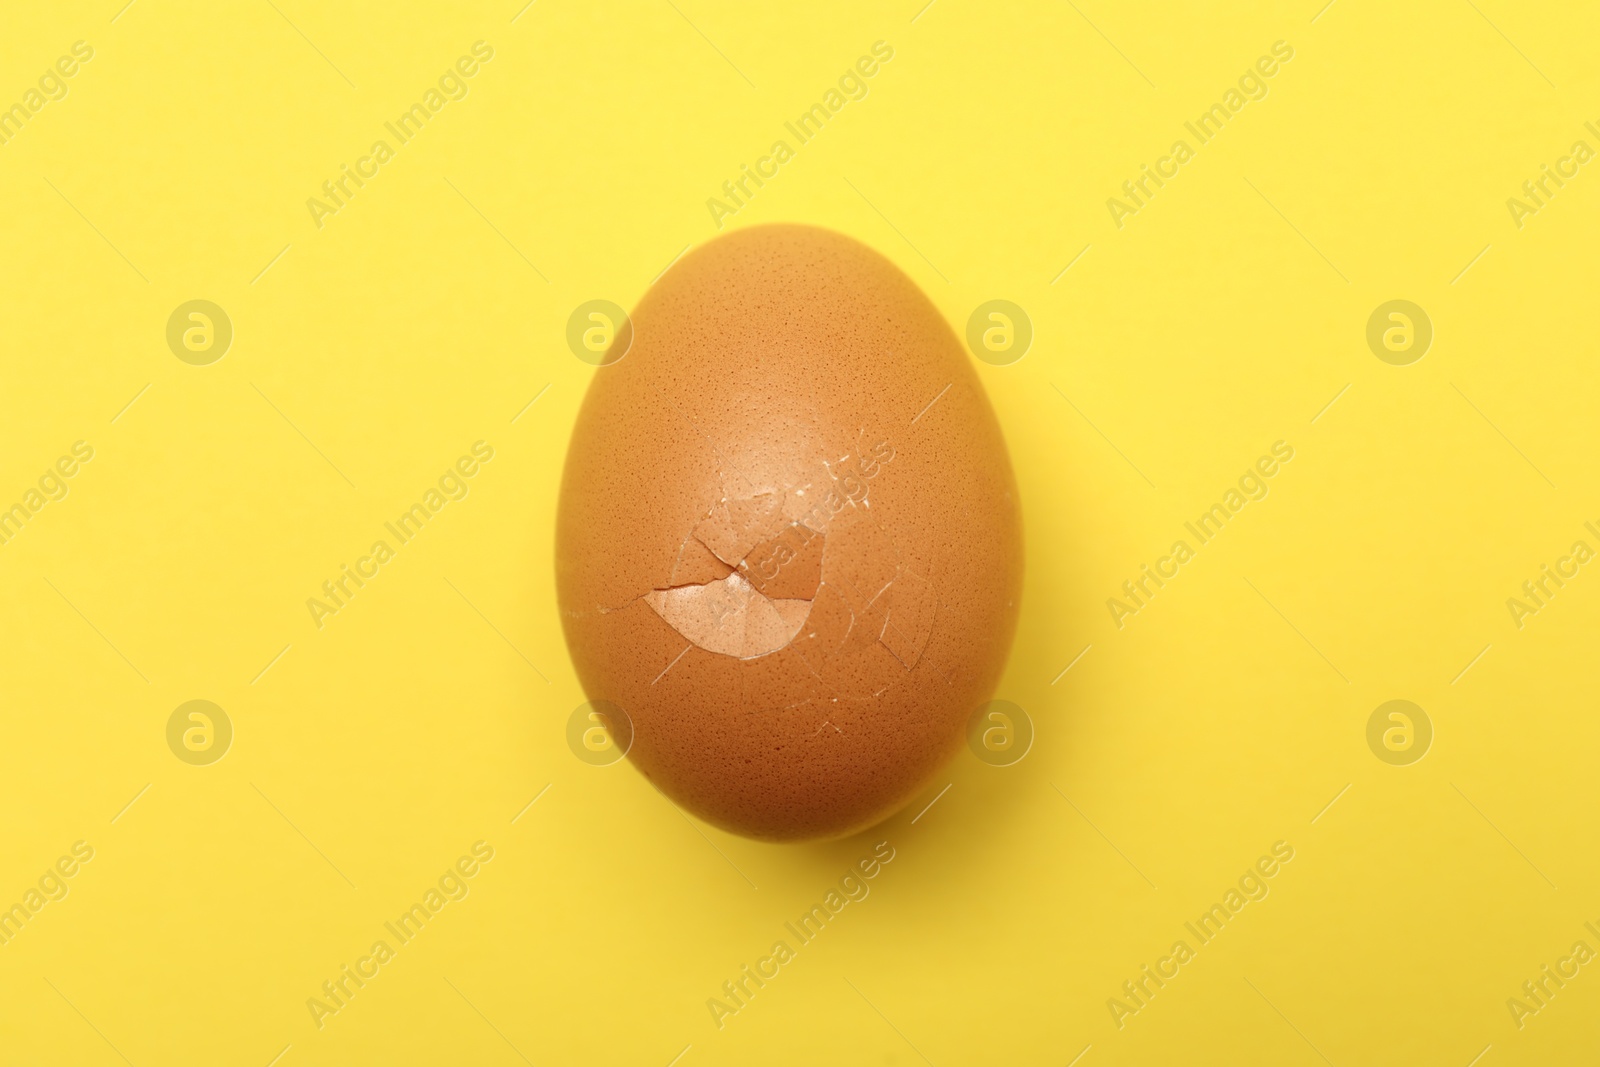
<point x="697" y="564"/>
<point x="908" y="618"/>
<point x="802" y="585"/>
<point x="788" y="566"/>
<point x="729" y="616"/>
<point x="751" y="583"/>
<point x="736" y="525"/>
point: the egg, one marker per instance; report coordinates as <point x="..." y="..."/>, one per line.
<point x="788" y="544"/>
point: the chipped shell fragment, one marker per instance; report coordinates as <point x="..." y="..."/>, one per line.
<point x="788" y="541"/>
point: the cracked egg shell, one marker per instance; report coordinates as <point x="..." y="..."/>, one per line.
<point x="788" y="543"/>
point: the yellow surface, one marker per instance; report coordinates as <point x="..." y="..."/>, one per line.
<point x="369" y="755"/>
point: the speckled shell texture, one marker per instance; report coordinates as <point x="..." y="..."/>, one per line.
<point x="789" y="544"/>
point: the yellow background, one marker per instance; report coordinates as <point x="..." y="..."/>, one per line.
<point x="426" y="715"/>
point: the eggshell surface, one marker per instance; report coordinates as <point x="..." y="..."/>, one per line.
<point x="788" y="543"/>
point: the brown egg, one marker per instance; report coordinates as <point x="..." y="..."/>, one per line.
<point x="789" y="545"/>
